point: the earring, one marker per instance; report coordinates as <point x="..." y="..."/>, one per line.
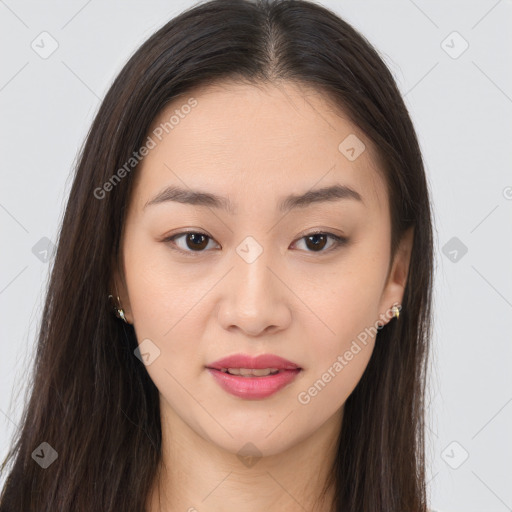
<point x="118" y="311"/>
<point x="396" y="310"/>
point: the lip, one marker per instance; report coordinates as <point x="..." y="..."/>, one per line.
<point x="254" y="388"/>
<point x="258" y="362"/>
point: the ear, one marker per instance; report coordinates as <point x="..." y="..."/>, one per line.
<point x="118" y="288"/>
<point x="397" y="279"/>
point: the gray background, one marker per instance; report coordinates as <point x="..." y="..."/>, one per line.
<point x="460" y="102"/>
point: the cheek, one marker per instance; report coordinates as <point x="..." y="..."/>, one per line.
<point x="343" y="329"/>
<point x="167" y="303"/>
<point x="329" y="385"/>
<point x="344" y="298"/>
<point x="147" y="291"/>
<point x="160" y="293"/>
<point x="339" y="348"/>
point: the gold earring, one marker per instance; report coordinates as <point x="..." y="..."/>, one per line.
<point x="396" y="310"/>
<point x="118" y="310"/>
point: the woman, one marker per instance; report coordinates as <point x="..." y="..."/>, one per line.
<point x="239" y="311"/>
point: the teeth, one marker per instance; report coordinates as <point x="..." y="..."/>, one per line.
<point x="251" y="372"/>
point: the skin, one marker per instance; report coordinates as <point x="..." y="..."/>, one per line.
<point x="255" y="145"/>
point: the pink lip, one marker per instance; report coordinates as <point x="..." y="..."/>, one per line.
<point x="254" y="387"/>
<point x="258" y="362"/>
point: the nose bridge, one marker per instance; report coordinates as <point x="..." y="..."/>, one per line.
<point x="252" y="276"/>
<point x="253" y="298"/>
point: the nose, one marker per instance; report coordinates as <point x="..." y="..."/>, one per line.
<point x="255" y="300"/>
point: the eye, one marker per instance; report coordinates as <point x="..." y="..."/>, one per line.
<point x="193" y="241"/>
<point x="315" y="242"/>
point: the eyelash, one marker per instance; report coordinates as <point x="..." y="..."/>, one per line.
<point x="339" y="241"/>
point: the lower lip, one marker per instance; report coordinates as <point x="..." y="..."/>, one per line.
<point x="253" y="388"/>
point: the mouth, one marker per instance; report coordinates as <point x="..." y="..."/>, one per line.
<point x="253" y="383"/>
<point x="253" y="378"/>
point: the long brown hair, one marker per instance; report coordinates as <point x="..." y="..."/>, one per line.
<point x="91" y="400"/>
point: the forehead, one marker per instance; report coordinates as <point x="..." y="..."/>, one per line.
<point x="261" y="141"/>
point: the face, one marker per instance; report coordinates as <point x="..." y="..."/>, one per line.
<point x="257" y="270"/>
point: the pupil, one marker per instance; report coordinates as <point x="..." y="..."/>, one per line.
<point x="192" y="238"/>
<point x="317" y="245"/>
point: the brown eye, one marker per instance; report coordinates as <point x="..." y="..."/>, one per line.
<point x="316" y="242"/>
<point x="192" y="241"/>
<point x="196" y="241"/>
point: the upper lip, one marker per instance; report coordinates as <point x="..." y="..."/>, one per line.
<point x="257" y="362"/>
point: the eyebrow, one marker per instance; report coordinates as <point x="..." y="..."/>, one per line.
<point x="198" y="198"/>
